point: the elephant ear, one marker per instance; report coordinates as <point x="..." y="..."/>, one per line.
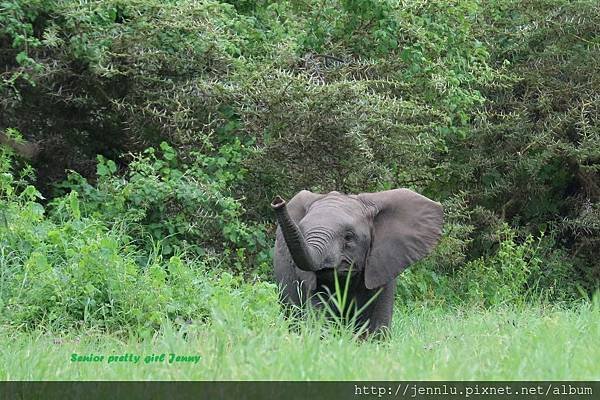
<point x="406" y="228"/>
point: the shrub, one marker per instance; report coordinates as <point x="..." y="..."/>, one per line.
<point x="533" y="159"/>
<point x="73" y="265"/>
<point x="505" y="277"/>
<point x="184" y="206"/>
<point x="78" y="272"/>
<point x="518" y="270"/>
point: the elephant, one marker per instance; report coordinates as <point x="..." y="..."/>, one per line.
<point x="367" y="239"/>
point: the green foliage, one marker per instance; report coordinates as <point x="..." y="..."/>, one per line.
<point x="14" y="178"/>
<point x="78" y="272"/>
<point x="533" y="160"/>
<point x="378" y="82"/>
<point x="19" y="38"/>
<point x="491" y="109"/>
<point x="429" y="48"/>
<point x="183" y="206"/>
<point x="508" y="276"/>
<point x="243" y="306"/>
<point x="519" y="270"/>
<point x="74" y="265"/>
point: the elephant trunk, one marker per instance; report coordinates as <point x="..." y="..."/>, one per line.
<point x="294" y="238"/>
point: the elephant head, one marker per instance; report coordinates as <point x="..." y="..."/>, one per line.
<point x="378" y="234"/>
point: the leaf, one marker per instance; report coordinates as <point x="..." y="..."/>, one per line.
<point x="112" y="167"/>
<point x="74" y="204"/>
<point x="102" y="170"/>
<point x="23" y="59"/>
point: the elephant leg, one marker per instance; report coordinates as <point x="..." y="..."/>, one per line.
<point x="381" y="309"/>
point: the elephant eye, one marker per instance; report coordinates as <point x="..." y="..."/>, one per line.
<point x="349" y="236"/>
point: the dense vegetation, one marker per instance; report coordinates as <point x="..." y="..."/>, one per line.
<point x="143" y="141"/>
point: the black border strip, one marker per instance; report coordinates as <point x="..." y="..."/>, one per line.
<point x="91" y="390"/>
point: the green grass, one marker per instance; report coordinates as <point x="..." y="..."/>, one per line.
<point x="529" y="343"/>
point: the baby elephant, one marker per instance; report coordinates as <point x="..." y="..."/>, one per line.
<point x="371" y="236"/>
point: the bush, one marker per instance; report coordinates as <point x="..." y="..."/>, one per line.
<point x="533" y="159"/>
<point x="517" y="271"/>
<point x="507" y="276"/>
<point x="184" y="206"/>
<point x="78" y="272"/>
<point x="71" y="265"/>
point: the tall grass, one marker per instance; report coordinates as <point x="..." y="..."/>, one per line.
<point x="527" y="343"/>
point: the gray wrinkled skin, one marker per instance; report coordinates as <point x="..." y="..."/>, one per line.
<point x="372" y="236"/>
